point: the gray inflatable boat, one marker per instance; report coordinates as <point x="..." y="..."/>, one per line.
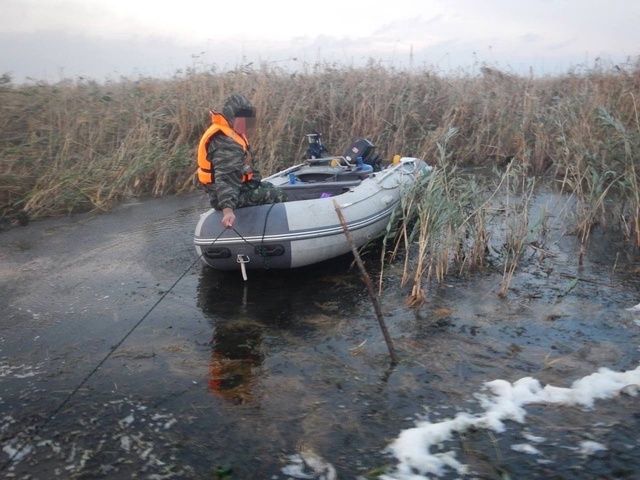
<point x="306" y="229"/>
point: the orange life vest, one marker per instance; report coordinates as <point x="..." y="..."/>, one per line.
<point x="219" y="124"/>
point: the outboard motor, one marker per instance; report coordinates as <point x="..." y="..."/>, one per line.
<point x="315" y="149"/>
<point x="365" y="150"/>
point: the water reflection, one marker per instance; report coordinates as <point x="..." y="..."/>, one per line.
<point x="235" y="356"/>
<point x="242" y="312"/>
<point x="239" y="320"/>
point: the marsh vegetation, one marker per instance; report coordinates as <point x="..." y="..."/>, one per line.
<point x="534" y="195"/>
<point x="83" y="145"/>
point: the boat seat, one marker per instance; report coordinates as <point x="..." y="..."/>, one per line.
<point x="326" y="174"/>
<point x="309" y="191"/>
<point x="342" y="177"/>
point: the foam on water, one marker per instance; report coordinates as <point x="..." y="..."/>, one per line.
<point x="415" y="447"/>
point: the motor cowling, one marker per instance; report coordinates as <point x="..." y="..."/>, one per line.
<point x="366" y="150"/>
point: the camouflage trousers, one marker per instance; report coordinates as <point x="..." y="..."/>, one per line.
<point x="253" y="193"/>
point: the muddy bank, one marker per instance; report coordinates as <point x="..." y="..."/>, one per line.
<point x="234" y="379"/>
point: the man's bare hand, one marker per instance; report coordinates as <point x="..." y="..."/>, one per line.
<point x="228" y="217"/>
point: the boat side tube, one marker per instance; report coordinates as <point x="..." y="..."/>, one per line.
<point x="303" y="232"/>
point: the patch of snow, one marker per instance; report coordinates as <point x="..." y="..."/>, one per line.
<point x="146" y="453"/>
<point x="126" y="421"/>
<point x="15" y="454"/>
<point x="19" y="371"/>
<point x="55" y="447"/>
<point x="6" y="422"/>
<point x="309" y="465"/>
<point x="296" y="468"/>
<point x="589" y="447"/>
<point x="125" y="443"/>
<point x="72" y="455"/>
<point x="533" y="438"/>
<point x="506" y="401"/>
<point x="631" y="390"/>
<point x="635" y="308"/>
<point x="525" y="448"/>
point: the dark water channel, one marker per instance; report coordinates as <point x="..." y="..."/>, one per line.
<point x="227" y="379"/>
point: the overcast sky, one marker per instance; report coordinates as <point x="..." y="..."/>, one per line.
<point x="53" y="39"/>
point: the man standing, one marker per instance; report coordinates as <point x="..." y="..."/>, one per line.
<point x="224" y="167"/>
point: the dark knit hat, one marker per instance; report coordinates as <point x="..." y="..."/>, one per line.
<point x="237" y="105"/>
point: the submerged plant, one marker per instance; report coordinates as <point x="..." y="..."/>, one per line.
<point x="519" y="192"/>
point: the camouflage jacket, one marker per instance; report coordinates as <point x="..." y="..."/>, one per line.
<point x="228" y="160"/>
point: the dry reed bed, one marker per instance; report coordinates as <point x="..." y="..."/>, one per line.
<point x="80" y="145"/>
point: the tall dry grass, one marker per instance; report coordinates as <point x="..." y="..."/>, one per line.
<point x="79" y="144"/>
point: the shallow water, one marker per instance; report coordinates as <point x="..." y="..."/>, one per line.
<point x="227" y="379"/>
